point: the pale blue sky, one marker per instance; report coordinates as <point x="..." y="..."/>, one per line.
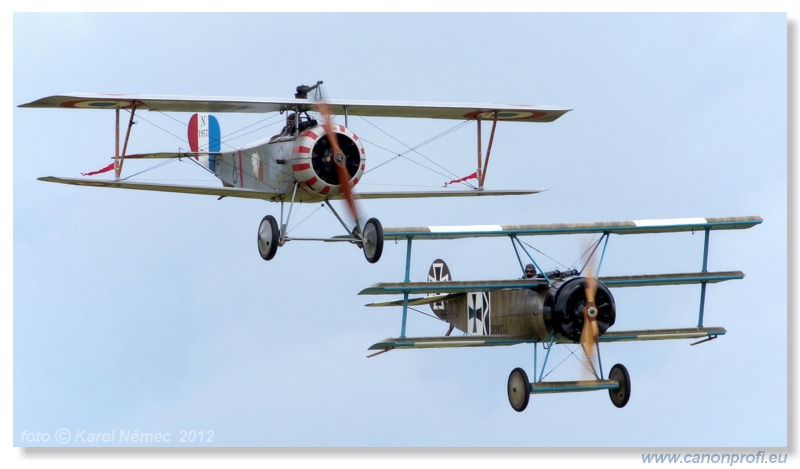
<point x="154" y="311"/>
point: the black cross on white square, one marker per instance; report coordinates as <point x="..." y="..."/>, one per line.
<point x="478" y="313"/>
<point x="438" y="272"/>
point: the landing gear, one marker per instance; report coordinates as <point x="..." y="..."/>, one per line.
<point x="620" y="395"/>
<point x="618" y="383"/>
<point x="271" y="234"/>
<point x="519" y="389"/>
<point x="372" y="240"/>
<point x="268" y="235"/>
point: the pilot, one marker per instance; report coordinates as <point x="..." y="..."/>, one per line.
<point x="530" y="271"/>
<point x="291" y="125"/>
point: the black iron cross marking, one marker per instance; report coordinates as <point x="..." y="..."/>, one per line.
<point x="478" y="313"/>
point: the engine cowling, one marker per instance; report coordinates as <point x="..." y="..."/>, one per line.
<point x="565" y="303"/>
<point x="312" y="160"/>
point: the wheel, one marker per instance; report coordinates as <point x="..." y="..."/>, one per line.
<point x="620" y="395"/>
<point x="268" y="237"/>
<point x="519" y="389"/>
<point x="372" y="240"/>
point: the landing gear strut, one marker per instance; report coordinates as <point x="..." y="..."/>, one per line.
<point x="618" y="383"/>
<point x="369" y="238"/>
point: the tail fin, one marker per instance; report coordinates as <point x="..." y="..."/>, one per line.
<point x="439" y="272"/>
<point x="204" y="136"/>
<point x="470" y="313"/>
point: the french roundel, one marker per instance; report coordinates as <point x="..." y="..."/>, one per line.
<point x="97" y="104"/>
<point x="507" y="115"/>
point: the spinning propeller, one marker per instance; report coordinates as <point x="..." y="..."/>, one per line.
<point x="370" y="236"/>
<point x="340" y="160"/>
<point x="590" y="330"/>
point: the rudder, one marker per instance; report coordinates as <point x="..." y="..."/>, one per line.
<point x="204" y="137"/>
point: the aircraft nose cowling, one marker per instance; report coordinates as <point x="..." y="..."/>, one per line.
<point x="566" y="307"/>
<point x="314" y="165"/>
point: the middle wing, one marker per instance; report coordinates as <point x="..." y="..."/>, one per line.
<point x="389" y="288"/>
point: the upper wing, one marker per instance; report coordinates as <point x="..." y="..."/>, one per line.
<point x="218" y="191"/>
<point x="623" y="227"/>
<point x="503" y="112"/>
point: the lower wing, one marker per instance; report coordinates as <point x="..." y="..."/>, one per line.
<point x="490" y="341"/>
<point x="144" y="186"/>
<point x="265" y="195"/>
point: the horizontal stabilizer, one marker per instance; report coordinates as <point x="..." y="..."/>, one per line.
<point x="624" y="227"/>
<point x="167" y="155"/>
<point x="503" y="112"/>
<point x="144" y="186"/>
<point x="424" y="300"/>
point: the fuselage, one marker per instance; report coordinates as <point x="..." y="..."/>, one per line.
<point x="303" y="159"/>
<point x="535" y="313"/>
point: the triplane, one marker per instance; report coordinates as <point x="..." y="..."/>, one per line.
<point x="311" y="160"/>
<point x="550" y="307"/>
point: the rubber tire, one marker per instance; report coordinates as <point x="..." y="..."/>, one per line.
<point x="267" y="247"/>
<point x="620" y="396"/>
<point x="372" y="240"/>
<point x="519" y="389"/>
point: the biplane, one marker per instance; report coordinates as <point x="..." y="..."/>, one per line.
<point x="548" y="308"/>
<point x="311" y="160"/>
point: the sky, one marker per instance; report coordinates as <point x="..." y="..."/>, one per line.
<point x="153" y="313"/>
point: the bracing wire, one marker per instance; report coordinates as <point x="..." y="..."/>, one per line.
<point x="223" y="141"/>
<point x="256" y="126"/>
<point x="426" y="314"/>
<point x="542" y="253"/>
<point x="415" y="149"/>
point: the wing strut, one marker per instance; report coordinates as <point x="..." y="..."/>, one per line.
<point x="703" y="284"/>
<point x="484" y="165"/>
<point x="405" y="293"/>
<point x="119" y="158"/>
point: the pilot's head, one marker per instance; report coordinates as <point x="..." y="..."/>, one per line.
<point x="530" y="270"/>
